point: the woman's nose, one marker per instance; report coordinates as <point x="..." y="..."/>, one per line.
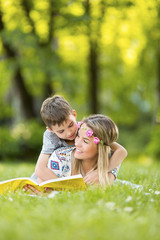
<point x="77" y="142"/>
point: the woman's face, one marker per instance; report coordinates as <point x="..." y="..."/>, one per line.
<point x="86" y="149"/>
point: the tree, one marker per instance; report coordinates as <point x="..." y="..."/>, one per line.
<point x="95" y="53"/>
<point x="18" y="79"/>
<point x="158" y="53"/>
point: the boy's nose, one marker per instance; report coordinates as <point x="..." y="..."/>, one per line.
<point x="69" y="134"/>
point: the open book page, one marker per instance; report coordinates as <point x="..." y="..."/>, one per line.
<point x="16" y="183"/>
<point x="75" y="182"/>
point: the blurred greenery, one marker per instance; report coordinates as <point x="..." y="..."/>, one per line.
<point x="93" y="214"/>
<point x="153" y="146"/>
<point x="22" y="141"/>
<point x="102" y="56"/>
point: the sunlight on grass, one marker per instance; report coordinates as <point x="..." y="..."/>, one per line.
<point x="145" y="160"/>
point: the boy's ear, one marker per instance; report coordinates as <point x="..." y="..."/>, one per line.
<point x="49" y="129"/>
<point x="74" y="113"/>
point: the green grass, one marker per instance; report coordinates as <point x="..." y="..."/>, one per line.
<point x="119" y="212"/>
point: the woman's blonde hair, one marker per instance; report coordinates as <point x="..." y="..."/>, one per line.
<point x="106" y="130"/>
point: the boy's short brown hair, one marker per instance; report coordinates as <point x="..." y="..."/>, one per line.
<point x="55" y="110"/>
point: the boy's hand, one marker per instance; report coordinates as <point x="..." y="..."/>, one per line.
<point x="92" y="178"/>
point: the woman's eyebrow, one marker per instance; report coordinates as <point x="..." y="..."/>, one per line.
<point x="86" y="138"/>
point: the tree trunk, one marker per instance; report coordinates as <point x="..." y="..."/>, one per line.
<point x="27" y="7"/>
<point x="27" y="102"/>
<point x="93" y="64"/>
<point x="158" y="70"/>
<point x="48" y="89"/>
<point x="93" y="77"/>
<point x="26" y="97"/>
<point x="158" y="79"/>
<point x="158" y="85"/>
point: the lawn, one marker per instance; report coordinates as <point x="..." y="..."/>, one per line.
<point x="119" y="212"/>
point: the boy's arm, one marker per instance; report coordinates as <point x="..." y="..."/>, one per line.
<point x="41" y="170"/>
<point x="119" y="154"/>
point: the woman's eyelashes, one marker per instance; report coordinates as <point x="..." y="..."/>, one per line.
<point x="83" y="139"/>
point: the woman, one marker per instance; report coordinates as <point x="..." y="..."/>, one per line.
<point x="91" y="151"/>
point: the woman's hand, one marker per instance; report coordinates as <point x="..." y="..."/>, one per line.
<point x="92" y="178"/>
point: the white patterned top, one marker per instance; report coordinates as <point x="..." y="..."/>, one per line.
<point x="60" y="161"/>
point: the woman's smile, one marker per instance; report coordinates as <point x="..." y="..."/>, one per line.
<point x="78" y="151"/>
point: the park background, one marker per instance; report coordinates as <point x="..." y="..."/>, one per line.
<point x="103" y="56"/>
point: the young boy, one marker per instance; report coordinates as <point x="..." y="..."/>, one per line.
<point x="60" y="120"/>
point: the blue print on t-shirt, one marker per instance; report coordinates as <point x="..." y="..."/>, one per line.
<point x="65" y="168"/>
<point x="54" y="165"/>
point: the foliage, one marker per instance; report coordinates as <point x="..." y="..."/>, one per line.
<point x="153" y="147"/>
<point x="23" y="140"/>
<point x="55" y="50"/>
<point x="49" y="47"/>
<point x="136" y="139"/>
<point x="94" y="214"/>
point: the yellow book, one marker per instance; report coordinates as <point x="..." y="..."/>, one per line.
<point x="75" y="182"/>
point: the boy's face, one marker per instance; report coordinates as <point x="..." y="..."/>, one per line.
<point x="68" y="129"/>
